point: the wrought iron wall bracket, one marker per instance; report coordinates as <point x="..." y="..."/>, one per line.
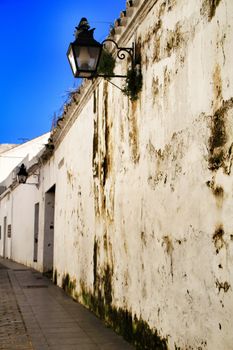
<point x="122" y="51"/>
<point x="97" y="75"/>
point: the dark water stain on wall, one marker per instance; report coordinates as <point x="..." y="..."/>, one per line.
<point x="68" y="285"/>
<point x="218" y="238"/>
<point x="167" y="243"/>
<point x="102" y="160"/>
<point x="95" y="156"/>
<point x="55" y="277"/>
<point x="220" y="151"/>
<point x="217" y="87"/>
<point x="107" y="159"/>
<point x="100" y="301"/>
<point x="134" y="131"/>
<point x="209" y="7"/>
<point x="170" y="157"/>
<point x="95" y="255"/>
<point x="169" y="42"/>
<point x="133" y="329"/>
<point x="217" y="191"/>
<point x="225" y="286"/>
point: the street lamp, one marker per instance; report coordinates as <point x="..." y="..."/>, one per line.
<point x="85" y="52"/>
<point x="22" y="177"/>
<point x="22" y="174"/>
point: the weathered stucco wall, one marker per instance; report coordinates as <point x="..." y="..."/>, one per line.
<point x="74" y="214"/>
<point x="5" y="220"/>
<point x="24" y="198"/>
<point x="17" y="208"/>
<point x="144" y="193"/>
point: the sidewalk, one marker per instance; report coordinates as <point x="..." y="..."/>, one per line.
<point x="37" y="315"/>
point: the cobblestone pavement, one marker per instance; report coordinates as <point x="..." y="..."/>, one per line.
<point x="13" y="333"/>
<point x="36" y="315"/>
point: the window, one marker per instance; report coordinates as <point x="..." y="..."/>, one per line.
<point x="9" y="231"/>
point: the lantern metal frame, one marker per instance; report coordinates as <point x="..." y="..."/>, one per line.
<point x="121" y="54"/>
<point x="84" y="38"/>
<point x="22" y="176"/>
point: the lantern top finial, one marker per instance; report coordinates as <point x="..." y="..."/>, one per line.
<point x="83" y="25"/>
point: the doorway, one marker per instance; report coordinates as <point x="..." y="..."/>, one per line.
<point x="4" y="236"/>
<point x="49" y="230"/>
<point x="36" y="232"/>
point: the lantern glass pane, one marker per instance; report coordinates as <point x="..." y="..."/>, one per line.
<point x="87" y="58"/>
<point x="95" y="53"/>
<point x="22" y="179"/>
<point x="72" y="60"/>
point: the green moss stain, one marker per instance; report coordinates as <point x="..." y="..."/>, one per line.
<point x="68" y="285"/>
<point x="99" y="301"/>
<point x="107" y="63"/>
<point x="95" y="252"/>
<point x="122" y="321"/>
<point x="107" y="283"/>
<point x="219" y="137"/>
<point x="134" y="79"/>
<point x="134" y="330"/>
<point x="220" y="151"/>
<point x="133" y="84"/>
<point x="217" y="141"/>
<point x="145" y="338"/>
<point x="174" y="40"/>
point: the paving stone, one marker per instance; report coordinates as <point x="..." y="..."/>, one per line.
<point x="36" y="315"/>
<point x="13" y="334"/>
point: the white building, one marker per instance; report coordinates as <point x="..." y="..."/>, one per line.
<point x="14" y="202"/>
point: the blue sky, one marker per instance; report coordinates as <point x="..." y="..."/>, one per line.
<point x="35" y="75"/>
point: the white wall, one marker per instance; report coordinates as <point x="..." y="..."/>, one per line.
<point x="74" y="208"/>
<point x="144" y="193"/>
<point x="5" y="212"/>
<point x="23" y="223"/>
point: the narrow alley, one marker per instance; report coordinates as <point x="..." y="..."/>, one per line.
<point x="37" y="315"/>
